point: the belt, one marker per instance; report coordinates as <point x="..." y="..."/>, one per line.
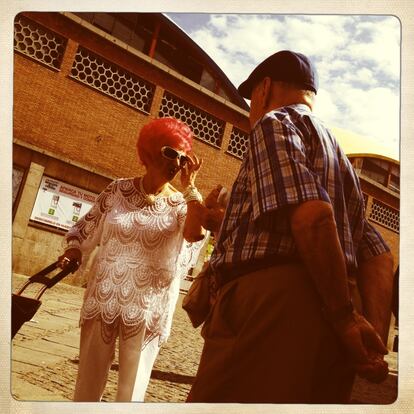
<point x="227" y="273"/>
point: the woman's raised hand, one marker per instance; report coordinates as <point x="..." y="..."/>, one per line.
<point x="190" y="170"/>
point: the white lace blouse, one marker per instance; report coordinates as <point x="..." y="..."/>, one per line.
<point x="141" y="258"/>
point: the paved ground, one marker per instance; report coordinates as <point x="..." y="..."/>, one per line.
<point x="45" y="357"/>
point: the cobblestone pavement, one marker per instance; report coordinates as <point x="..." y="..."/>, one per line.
<point x="45" y="356"/>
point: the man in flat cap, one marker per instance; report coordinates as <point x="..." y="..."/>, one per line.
<point x="293" y="243"/>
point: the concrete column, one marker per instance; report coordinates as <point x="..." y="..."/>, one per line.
<point x="368" y="207"/>
<point x="27" y="200"/>
<point x="68" y="58"/>
<point x="156" y="101"/>
<point x="226" y="136"/>
<point x="358" y="164"/>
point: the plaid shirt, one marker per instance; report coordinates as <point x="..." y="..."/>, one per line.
<point x="292" y="158"/>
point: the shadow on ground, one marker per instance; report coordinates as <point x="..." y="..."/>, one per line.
<point x="172" y="377"/>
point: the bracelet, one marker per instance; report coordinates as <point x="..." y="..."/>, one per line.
<point x="192" y="194"/>
<point x="73" y="244"/>
<point x="340" y="313"/>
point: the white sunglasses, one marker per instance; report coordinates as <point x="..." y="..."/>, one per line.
<point x="172" y="154"/>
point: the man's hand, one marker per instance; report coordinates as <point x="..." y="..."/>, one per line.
<point x="211" y="200"/>
<point x="364" y="347"/>
<point x="214" y="214"/>
<point x="213" y="219"/>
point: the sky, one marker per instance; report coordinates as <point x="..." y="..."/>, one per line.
<point x="357" y="58"/>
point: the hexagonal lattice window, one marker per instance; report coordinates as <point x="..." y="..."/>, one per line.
<point x="238" y="144"/>
<point x="112" y="80"/>
<point x="205" y="127"/>
<point x="385" y="215"/>
<point x="39" y="43"/>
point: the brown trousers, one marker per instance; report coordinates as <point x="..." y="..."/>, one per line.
<point x="266" y="341"/>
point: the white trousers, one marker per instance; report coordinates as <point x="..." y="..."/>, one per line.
<point x="97" y="355"/>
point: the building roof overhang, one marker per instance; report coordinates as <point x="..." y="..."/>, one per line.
<point x="208" y="61"/>
<point x="360" y="146"/>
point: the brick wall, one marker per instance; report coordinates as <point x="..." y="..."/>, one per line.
<point x="62" y="116"/>
<point x="67" y="118"/>
<point x="111" y="51"/>
<point x="393" y="241"/>
<point x="84" y="137"/>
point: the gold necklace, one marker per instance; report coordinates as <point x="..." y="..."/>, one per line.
<point x="149" y="198"/>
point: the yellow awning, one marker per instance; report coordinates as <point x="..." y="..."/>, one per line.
<point x="359" y="146"/>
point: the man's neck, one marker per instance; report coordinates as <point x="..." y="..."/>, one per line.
<point x="290" y="99"/>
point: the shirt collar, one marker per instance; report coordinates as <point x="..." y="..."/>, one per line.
<point x="300" y="107"/>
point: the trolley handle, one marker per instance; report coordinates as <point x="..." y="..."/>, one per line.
<point x="49" y="282"/>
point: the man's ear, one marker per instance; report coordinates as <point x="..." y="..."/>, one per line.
<point x="266" y="91"/>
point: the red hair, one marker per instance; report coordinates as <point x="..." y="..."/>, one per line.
<point x="163" y="132"/>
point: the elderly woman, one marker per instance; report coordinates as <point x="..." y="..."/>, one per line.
<point x="143" y="229"/>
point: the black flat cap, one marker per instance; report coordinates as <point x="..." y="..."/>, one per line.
<point x="285" y="66"/>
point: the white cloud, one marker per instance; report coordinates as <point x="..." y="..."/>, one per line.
<point x="357" y="59"/>
<point x="380" y="117"/>
<point x="365" y="76"/>
<point x="362" y="77"/>
<point x="252" y="36"/>
<point x="384" y="48"/>
<point x="326" y="106"/>
<point x="373" y="113"/>
<point x="315" y="36"/>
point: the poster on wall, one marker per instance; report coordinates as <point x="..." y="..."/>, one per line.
<point x="59" y="204"/>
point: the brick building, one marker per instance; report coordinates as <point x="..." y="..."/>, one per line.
<point x="378" y="169"/>
<point x="84" y="85"/>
